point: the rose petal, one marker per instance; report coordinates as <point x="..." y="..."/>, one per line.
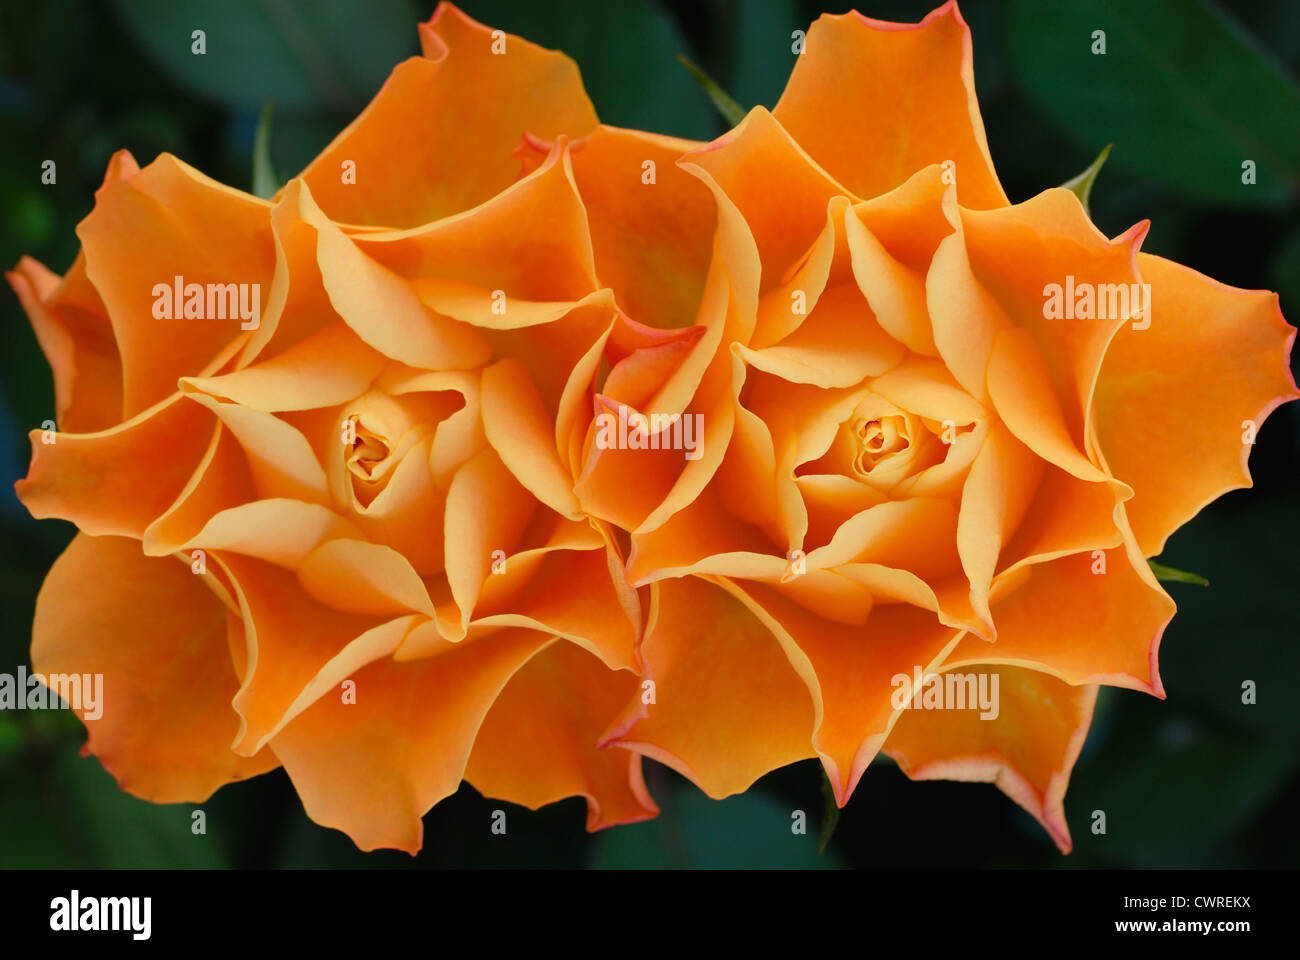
<point x="538" y="742"/>
<point x="705" y="537"/>
<point x="998" y="491"/>
<point x="379" y="305"/>
<point x="180" y="224"/>
<point x="572" y="594"/>
<point x="1079" y="625"/>
<point x="848" y="670"/>
<point x="1172" y="399"/>
<point x="328" y="367"/>
<point x="487" y="511"/>
<point x="530" y="241"/>
<point x="159" y="638"/>
<point x="873" y="102"/>
<point x="1015" y="253"/>
<point x="725" y="707"/>
<point x="1020" y="387"/>
<point x="1028" y="751"/>
<point x="625" y="485"/>
<point x="403" y="743"/>
<point x="651" y="222"/>
<point x="456" y="149"/>
<point x="521" y="431"/>
<point x="77" y="339"/>
<point x="120" y="480"/>
<point x="280" y="460"/>
<point x="297" y="647"/>
<point x="745" y="163"/>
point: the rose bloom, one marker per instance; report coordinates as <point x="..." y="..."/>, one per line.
<point x="385" y="581"/>
<point x="918" y="458"/>
<point x="407" y="529"/>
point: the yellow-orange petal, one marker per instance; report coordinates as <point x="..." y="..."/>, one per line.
<point x="1084" y="618"/>
<point x="296" y="646"/>
<point x="618" y="484"/>
<point x="895" y="290"/>
<point x="998" y="491"/>
<point x="158" y="637"/>
<point x="705" y="537"/>
<point x="839" y="345"/>
<point x="120" y="480"/>
<point x="1059" y="279"/>
<point x="280" y="459"/>
<point x="724" y="706"/>
<point x="638" y="377"/>
<point x="1178" y="402"/>
<point x="849" y="671"/>
<point x="487" y="511"/>
<point x="297" y="305"/>
<point x="166" y="222"/>
<point x="407" y="515"/>
<point x="873" y="102"/>
<point x="573" y="593"/>
<point x="522" y="431"/>
<point x="1067" y="515"/>
<point x="745" y="163"/>
<point x="77" y="340"/>
<point x="753" y="485"/>
<point x="1028" y="750"/>
<point x="282" y="532"/>
<point x="1020" y="387"/>
<point x="380" y="306"/>
<point x="708" y="381"/>
<point x="651" y="222"/>
<point x="328" y="367"/>
<point x="404" y="742"/>
<point x="530" y="241"/>
<point x="457" y="113"/>
<point x="366" y="578"/>
<point x="538" y="742"/>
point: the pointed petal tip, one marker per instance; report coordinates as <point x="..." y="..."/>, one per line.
<point x="949" y="9"/>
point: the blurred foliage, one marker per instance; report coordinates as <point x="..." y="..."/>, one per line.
<point x="1206" y="100"/>
<point x="304" y="56"/>
<point x="1186" y="91"/>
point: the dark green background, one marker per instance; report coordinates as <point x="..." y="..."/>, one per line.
<point x="1186" y="91"/>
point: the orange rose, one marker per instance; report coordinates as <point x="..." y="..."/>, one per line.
<point x="940" y="435"/>
<point x="712" y="453"/>
<point x="363" y="461"/>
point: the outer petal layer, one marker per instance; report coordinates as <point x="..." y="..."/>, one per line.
<point x="1028" y="750"/>
<point x="725" y="706"/>
<point x="159" y="638"/>
<point x="538" y="742"/>
<point x="873" y="102"/>
<point x="423" y="149"/>
<point x="1173" y="399"/>
<point x="372" y="768"/>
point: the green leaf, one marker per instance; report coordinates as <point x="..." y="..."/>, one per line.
<point x="731" y="111"/>
<point x="758" y="40"/>
<point x="73" y="814"/>
<point x="1173" y="787"/>
<point x="1254" y="572"/>
<point x="265" y="182"/>
<point x="326" y="53"/>
<point x="1081" y="186"/>
<point x="1182" y="90"/>
<point x="126" y="832"/>
<point x="1177" y="576"/>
